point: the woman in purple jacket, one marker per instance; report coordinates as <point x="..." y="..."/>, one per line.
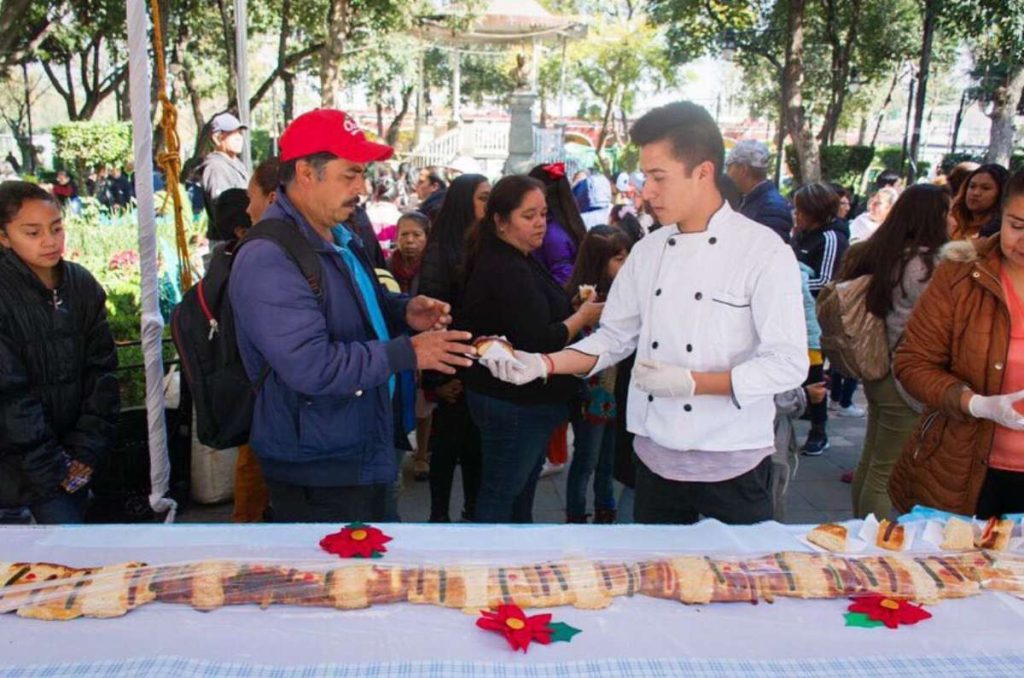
<point x="565" y="226"/>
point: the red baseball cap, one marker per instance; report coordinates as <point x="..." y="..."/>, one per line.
<point x="327" y="130"/>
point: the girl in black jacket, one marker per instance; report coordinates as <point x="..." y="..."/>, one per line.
<point x="58" y="392"/>
<point x="818" y="242"/>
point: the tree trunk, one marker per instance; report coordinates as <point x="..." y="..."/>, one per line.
<point x="807" y="151"/>
<point x="842" y="53"/>
<point x="282" y="60"/>
<point x="957" y="122"/>
<point x="227" y="26"/>
<point x="1004" y="108"/>
<point x="289" y="97"/>
<point x="931" y="17"/>
<point x="602" y="137"/>
<point x="391" y="136"/>
<point x="338" y="17"/>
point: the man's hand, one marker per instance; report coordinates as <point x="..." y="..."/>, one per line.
<point x="525" y="368"/>
<point x="442" y="351"/>
<point x="424" y="313"/>
<point x="450" y="391"/>
<point x="663" y="380"/>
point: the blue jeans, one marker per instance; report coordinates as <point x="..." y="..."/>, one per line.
<point x="593" y="453"/>
<point x="514" y="440"/>
<point x="62" y="509"/>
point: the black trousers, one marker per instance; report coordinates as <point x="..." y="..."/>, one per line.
<point x="1002" y="492"/>
<point x="818" y="414"/>
<point x="454" y="441"/>
<point x="302" y="504"/>
<point x="743" y="500"/>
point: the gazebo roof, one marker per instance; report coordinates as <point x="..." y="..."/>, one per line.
<point x="505" y="21"/>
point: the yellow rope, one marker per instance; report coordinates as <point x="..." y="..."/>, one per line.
<point x="169" y="160"/>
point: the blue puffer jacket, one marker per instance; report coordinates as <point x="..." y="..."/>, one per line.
<point x="323" y="416"/>
<point x="765" y="205"/>
<point x="810" y="309"/>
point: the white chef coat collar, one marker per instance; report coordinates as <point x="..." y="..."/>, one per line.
<point x="716" y="222"/>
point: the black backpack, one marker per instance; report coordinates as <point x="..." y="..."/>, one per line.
<point x="203" y="329"/>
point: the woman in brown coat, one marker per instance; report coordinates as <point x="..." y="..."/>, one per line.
<point x="963" y="357"/>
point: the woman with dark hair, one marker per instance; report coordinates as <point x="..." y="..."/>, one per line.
<point x="963" y="357"/>
<point x="900" y="258"/>
<point x="818" y="242"/>
<point x="455" y="439"/>
<point x="602" y="254"/>
<point x="509" y="293"/>
<point x="976" y="207"/>
<point x="565" y="225"/>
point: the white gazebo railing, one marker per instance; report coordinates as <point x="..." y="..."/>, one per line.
<point x="485" y="141"/>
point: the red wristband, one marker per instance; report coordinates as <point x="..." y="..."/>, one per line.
<point x="549" y="362"/>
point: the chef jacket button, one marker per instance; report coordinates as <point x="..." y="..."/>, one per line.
<point x="698" y="296"/>
<point x="671" y="241"/>
<point x="654" y="344"/>
<point x="688" y="407"/>
<point x="713" y="240"/>
<point x="657" y="292"/>
<point x="998" y="366"/>
<point x="689" y="348"/>
<point x="650" y="399"/>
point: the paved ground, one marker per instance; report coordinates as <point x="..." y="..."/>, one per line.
<point x="816" y="495"/>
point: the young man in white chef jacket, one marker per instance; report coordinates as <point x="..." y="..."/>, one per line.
<point x="712" y="305"/>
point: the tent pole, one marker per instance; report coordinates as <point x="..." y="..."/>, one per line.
<point x="152" y="321"/>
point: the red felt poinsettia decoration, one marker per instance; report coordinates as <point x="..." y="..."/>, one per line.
<point x="519" y="630"/>
<point x="890" y="611"/>
<point x="356" y="540"/>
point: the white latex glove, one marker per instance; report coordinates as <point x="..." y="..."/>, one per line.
<point x="663" y="380"/>
<point x="527" y="367"/>
<point x="998" y="409"/>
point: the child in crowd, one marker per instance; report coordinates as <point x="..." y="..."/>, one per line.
<point x="602" y="253"/>
<point x="405" y="264"/>
<point x="59" y="398"/>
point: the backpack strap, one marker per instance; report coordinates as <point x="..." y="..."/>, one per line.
<point x="292" y="240"/>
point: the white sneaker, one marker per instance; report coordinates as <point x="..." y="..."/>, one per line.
<point x="852" y="411"/>
<point x="833" y="405"/>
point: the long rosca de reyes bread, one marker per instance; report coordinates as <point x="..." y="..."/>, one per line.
<point x="57" y="592"/>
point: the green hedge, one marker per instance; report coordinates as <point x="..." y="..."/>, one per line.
<point x="80" y="144"/>
<point x="842" y="165"/>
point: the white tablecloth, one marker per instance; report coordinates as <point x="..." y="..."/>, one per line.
<point x="634" y="636"/>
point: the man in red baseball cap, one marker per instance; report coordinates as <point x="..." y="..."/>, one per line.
<point x="323" y="427"/>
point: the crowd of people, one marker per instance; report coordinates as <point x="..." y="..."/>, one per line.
<point x="668" y="317"/>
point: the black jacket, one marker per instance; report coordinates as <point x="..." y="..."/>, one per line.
<point x="432" y="205"/>
<point x="58" y="390"/>
<point x="509" y="293"/>
<point x="822" y="249"/>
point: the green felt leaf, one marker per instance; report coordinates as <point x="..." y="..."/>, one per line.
<point x="861" y="620"/>
<point x="562" y="632"/>
<point x="356" y="525"/>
